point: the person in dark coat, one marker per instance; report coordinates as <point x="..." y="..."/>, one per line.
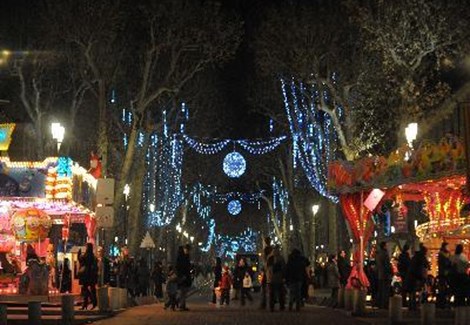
<point x="238" y="275"/>
<point x="344" y="268"/>
<point x="183" y="271"/>
<point x="334" y="279"/>
<point x="217" y="269"/>
<point x="88" y="276"/>
<point x="267" y="250"/>
<point x="384" y="275"/>
<point x="417" y="276"/>
<point x="295" y="276"/>
<point x="444" y="266"/>
<point x="66" y="277"/>
<point x="104" y="272"/>
<point x="158" y="279"/>
<point x="275" y="275"/>
<point x="404" y="261"/>
<point x="143" y="278"/>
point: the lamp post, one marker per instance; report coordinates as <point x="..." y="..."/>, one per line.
<point x="313" y="225"/>
<point x="411" y="132"/>
<point x="58" y="132"/>
<point x="126" y="191"/>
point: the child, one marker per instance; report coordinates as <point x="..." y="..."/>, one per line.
<point x="171" y="289"/>
<point x="225" y="284"/>
<point x="247" y="285"/>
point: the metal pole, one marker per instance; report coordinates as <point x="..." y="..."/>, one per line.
<point x="361" y="235"/>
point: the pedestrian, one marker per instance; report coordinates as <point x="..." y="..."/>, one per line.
<point x="143" y="278"/>
<point x="384" y="275"/>
<point x="404" y="261"/>
<point x="460" y="276"/>
<point x="132" y="279"/>
<point x="417" y="276"/>
<point x="444" y="267"/>
<point x="225" y="285"/>
<point x="246" y="288"/>
<point x="344" y="268"/>
<point x="217" y="270"/>
<point x="171" y="289"/>
<point x="295" y="275"/>
<point x="276" y="269"/>
<point x="66" y="277"/>
<point x="88" y="276"/>
<point x="158" y="279"/>
<point x="238" y="275"/>
<point x="104" y="272"/>
<point x="183" y="270"/>
<point x="267" y="250"/>
<point x="334" y="279"/>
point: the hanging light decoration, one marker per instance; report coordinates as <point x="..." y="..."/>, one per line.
<point x="234" y="207"/>
<point x="234" y="164"/>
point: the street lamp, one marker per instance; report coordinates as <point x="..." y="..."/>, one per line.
<point x="58" y="132"/>
<point x="411" y="132"/>
<point x="126" y="191"/>
<point x="313" y="225"/>
<point x="315" y="209"/>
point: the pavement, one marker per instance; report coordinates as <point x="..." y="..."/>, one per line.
<point x="203" y="313"/>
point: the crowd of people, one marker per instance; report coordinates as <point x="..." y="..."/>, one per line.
<point x="406" y="275"/>
<point x="410" y="276"/>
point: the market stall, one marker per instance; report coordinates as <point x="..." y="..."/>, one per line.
<point x="45" y="209"/>
<point x="433" y="174"/>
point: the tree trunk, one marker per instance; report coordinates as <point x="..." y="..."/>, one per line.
<point x="332" y="227"/>
<point x="135" y="218"/>
<point x="103" y="142"/>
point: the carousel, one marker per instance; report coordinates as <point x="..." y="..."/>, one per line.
<point x="45" y="214"/>
<point x="432" y="177"/>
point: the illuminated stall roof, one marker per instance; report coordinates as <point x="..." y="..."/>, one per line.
<point x="56" y="185"/>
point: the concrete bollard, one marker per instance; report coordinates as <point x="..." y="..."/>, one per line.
<point x="359" y="302"/>
<point x="34" y="313"/>
<point x="3" y="314"/>
<point x="428" y="314"/>
<point x="341" y="298"/>
<point x="68" y="311"/>
<point x="103" y="299"/>
<point x="123" y="298"/>
<point x="395" y="313"/>
<point x="348" y="299"/>
<point x="114" y="298"/>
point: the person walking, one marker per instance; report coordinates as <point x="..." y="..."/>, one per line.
<point x="171" y="289"/>
<point x="295" y="275"/>
<point x="417" y="276"/>
<point x="238" y="275"/>
<point x="143" y="278"/>
<point x="334" y="279"/>
<point x="183" y="270"/>
<point x="444" y="266"/>
<point x="344" y="268"/>
<point x="225" y="284"/>
<point x="66" y="277"/>
<point x="267" y="250"/>
<point x="217" y="269"/>
<point x="460" y="276"/>
<point x="384" y="275"/>
<point x="246" y="288"/>
<point x="404" y="261"/>
<point x="88" y="276"/>
<point x="276" y="269"/>
<point x="158" y="279"/>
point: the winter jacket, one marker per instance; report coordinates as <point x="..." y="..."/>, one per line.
<point x="333" y="275"/>
<point x="226" y="281"/>
<point x="276" y="269"/>
<point x="384" y="269"/>
<point x="183" y="270"/>
<point x="404" y="261"/>
<point x="295" y="268"/>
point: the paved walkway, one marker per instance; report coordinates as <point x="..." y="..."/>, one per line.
<point x="202" y="313"/>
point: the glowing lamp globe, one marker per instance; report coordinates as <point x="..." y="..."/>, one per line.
<point x="7" y="240"/>
<point x="234" y="165"/>
<point x="30" y="225"/>
<point x="234" y="207"/>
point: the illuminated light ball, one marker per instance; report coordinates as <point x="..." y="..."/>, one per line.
<point x="7" y="240"/>
<point x="30" y="225"/>
<point x="234" y="165"/>
<point x="234" y="207"/>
